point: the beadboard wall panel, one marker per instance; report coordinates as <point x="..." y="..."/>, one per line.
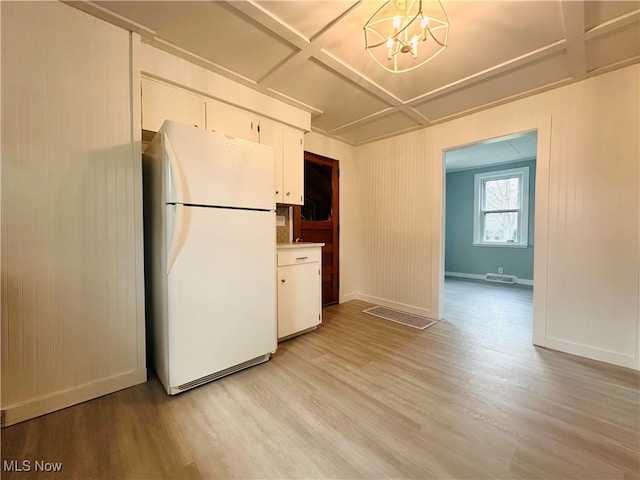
<point x="395" y="224"/>
<point x="72" y="272"/>
<point x="594" y="256"/>
<point x="345" y="154"/>
<point x="587" y="234"/>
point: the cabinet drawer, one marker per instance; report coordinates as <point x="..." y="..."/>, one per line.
<point x="294" y="256"/>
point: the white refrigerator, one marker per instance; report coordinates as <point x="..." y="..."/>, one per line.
<point x="210" y="254"/>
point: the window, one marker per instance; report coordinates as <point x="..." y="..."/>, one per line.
<point x="501" y="208"/>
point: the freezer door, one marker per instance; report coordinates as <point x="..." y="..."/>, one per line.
<point x="221" y="290"/>
<point x="207" y="168"/>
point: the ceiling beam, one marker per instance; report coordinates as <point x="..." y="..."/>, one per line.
<point x="573" y="21"/>
<point x="502" y="68"/>
<point x="257" y="13"/>
<point x="306" y="47"/>
<point x="355" y="77"/>
<point x="614" y="24"/>
<point x="312" y="49"/>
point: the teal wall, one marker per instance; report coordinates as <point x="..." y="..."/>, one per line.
<point x="460" y="254"/>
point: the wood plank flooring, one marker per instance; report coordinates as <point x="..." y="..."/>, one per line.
<point x="362" y="397"/>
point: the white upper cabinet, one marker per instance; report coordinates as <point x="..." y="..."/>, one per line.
<point x="162" y="102"/>
<point x="292" y="166"/>
<point x="271" y="134"/>
<point x="287" y="143"/>
<point x="232" y="121"/>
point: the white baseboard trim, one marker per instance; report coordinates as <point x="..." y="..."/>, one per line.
<point x="36" y="407"/>
<point x="347" y="298"/>
<point x="424" y="312"/>
<point x="594" y="353"/>
<point x="475" y="276"/>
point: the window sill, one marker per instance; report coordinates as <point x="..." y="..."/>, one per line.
<point x="503" y="245"/>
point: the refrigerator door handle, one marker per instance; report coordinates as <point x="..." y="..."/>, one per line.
<point x="175" y="185"/>
<point x="177" y="226"/>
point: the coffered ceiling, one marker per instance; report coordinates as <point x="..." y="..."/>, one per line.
<point x="311" y="54"/>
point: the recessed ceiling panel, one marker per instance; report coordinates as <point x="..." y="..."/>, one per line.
<point x="535" y="75"/>
<point x="482" y="34"/>
<point x="616" y="46"/>
<point x="597" y="13"/>
<point x="211" y="30"/>
<point x="394" y="123"/>
<point x="341" y="100"/>
<point x="307" y="18"/>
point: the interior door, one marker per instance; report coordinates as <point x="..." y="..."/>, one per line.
<point x="318" y="219"/>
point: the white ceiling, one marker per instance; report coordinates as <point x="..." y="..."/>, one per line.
<point x="496" y="151"/>
<point x="311" y="54"/>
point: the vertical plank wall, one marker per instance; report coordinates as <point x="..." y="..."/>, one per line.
<point x="587" y="252"/>
<point x="396" y="225"/>
<point x="72" y="274"/>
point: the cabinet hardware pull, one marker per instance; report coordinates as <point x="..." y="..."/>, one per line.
<point x="288" y="193"/>
<point x="301" y="258"/>
<point x="283" y="280"/>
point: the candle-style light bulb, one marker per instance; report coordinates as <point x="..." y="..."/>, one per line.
<point x="424" y="23"/>
<point x="396" y="24"/>
<point x="389" y="48"/>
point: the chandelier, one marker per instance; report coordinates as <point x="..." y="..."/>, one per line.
<point x="402" y="35"/>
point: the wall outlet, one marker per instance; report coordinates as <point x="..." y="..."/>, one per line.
<point x="500" y="270"/>
<point x="280" y="221"/>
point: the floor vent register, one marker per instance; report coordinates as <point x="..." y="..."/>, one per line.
<point x="408" y="319"/>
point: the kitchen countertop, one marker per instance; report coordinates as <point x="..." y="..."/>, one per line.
<point x="298" y="245"/>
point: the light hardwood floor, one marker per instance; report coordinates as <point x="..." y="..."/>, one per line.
<point x="362" y="397"/>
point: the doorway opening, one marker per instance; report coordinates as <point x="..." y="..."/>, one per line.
<point x="317" y="220"/>
<point x="489" y="210"/>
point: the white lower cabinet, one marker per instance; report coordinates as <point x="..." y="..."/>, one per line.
<point x="299" y="290"/>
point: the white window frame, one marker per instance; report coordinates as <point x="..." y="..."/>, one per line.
<point x="523" y="218"/>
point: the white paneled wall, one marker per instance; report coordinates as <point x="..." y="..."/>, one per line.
<point x="396" y="223"/>
<point x="594" y="252"/>
<point x="587" y="235"/>
<point x="345" y="154"/>
<point x="72" y="272"/>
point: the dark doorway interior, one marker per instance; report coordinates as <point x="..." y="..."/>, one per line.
<point x="318" y="219"/>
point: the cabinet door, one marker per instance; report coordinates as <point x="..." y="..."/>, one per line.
<point x="271" y="134"/>
<point x="292" y="166"/>
<point x="298" y="298"/>
<point x="162" y="102"/>
<point x="224" y="118"/>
